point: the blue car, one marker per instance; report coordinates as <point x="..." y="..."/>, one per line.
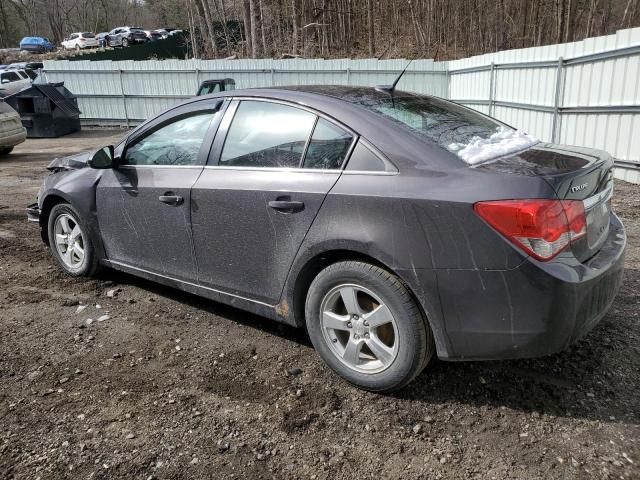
<point x="37" y="45"/>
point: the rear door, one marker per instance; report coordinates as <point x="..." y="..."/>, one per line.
<point x="271" y="168"/>
<point x="143" y="205"/>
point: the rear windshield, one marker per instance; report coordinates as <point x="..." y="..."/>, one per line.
<point x="88" y="35"/>
<point x="474" y="137"/>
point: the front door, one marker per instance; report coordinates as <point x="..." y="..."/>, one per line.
<point x="275" y="165"/>
<point x="144" y="205"/>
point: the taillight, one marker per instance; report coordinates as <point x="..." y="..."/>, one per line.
<point x="542" y="228"/>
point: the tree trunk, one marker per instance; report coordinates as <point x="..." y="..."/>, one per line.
<point x="246" y="15"/>
<point x="372" y="46"/>
<point x="255" y="28"/>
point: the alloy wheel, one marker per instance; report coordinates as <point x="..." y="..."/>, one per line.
<point x="359" y="328"/>
<point x="69" y="240"/>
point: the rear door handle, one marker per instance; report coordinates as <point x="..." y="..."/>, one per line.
<point x="287" y="206"/>
<point x="171" y="199"/>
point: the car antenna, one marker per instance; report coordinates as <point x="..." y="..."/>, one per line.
<point x="391" y="88"/>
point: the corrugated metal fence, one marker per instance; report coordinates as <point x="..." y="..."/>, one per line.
<point x="583" y="93"/>
<point x="132" y="91"/>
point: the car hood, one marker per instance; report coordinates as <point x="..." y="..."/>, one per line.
<point x="72" y="162"/>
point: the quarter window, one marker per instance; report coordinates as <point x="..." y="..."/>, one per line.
<point x="265" y="134"/>
<point x="177" y="143"/>
<point x="363" y="159"/>
<point x="328" y="146"/>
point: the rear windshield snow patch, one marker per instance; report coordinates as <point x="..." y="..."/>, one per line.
<point x="505" y="141"/>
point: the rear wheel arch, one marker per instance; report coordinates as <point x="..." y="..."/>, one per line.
<point x="313" y="266"/>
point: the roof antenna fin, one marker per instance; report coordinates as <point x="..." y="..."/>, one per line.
<point x="390" y="88"/>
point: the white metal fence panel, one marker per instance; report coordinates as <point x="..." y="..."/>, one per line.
<point x="130" y="91"/>
<point x="582" y="93"/>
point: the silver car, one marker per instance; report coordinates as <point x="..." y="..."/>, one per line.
<point x="11" y="130"/>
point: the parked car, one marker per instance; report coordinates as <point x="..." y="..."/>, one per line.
<point x="215" y="86"/>
<point x="37" y="45"/>
<point x="25" y="66"/>
<point x="13" y="81"/>
<point x="80" y="40"/>
<point x="125" y="36"/>
<point x="12" y="132"/>
<point x="102" y="39"/>
<point x="163" y="33"/>
<point x="394" y="226"/>
<point x="152" y="35"/>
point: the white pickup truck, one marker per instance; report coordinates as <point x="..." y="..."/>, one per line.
<point x="11" y="130"/>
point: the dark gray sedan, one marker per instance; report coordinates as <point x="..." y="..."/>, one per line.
<point x="391" y="225"/>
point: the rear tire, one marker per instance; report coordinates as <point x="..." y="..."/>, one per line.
<point x="70" y="243"/>
<point x="367" y="327"/>
<point x="125" y="42"/>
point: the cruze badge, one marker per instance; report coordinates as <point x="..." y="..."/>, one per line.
<point x="577" y="188"/>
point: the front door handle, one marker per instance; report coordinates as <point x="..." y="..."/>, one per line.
<point x="286" y="206"/>
<point x="171" y="199"/>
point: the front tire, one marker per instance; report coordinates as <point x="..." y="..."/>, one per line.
<point x="5" y="151"/>
<point x="70" y="242"/>
<point x="125" y="42"/>
<point x="367" y="327"/>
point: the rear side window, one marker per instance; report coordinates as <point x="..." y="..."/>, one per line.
<point x="328" y="146"/>
<point x="175" y="144"/>
<point x="265" y="134"/>
<point x="31" y="74"/>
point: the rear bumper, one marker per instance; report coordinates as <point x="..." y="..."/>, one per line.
<point x="13" y="137"/>
<point x="532" y="310"/>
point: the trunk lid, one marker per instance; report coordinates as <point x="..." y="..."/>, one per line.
<point x="574" y="173"/>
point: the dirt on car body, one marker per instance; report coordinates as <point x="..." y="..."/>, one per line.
<point x="117" y="377"/>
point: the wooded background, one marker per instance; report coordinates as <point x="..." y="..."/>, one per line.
<point x="330" y="28"/>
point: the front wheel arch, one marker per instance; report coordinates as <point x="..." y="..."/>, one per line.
<point x="47" y="205"/>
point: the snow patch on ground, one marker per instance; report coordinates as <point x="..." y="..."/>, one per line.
<point x="504" y="142"/>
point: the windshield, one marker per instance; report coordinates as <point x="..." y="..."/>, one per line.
<point x="474" y="137"/>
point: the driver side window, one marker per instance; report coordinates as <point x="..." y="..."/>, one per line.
<point x="175" y="144"/>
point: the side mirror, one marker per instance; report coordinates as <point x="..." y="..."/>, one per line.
<point x="102" y="158"/>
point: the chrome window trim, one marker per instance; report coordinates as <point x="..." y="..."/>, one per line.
<point x="300" y="170"/>
<point x="273" y="169"/>
<point x="159" y="166"/>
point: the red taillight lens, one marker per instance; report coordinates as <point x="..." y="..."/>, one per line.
<point x="542" y="228"/>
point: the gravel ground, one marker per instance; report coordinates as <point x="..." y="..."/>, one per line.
<point x="166" y="385"/>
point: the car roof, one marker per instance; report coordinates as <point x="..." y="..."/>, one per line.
<point x="345" y="104"/>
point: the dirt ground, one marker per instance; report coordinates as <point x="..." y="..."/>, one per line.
<point x="171" y="386"/>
